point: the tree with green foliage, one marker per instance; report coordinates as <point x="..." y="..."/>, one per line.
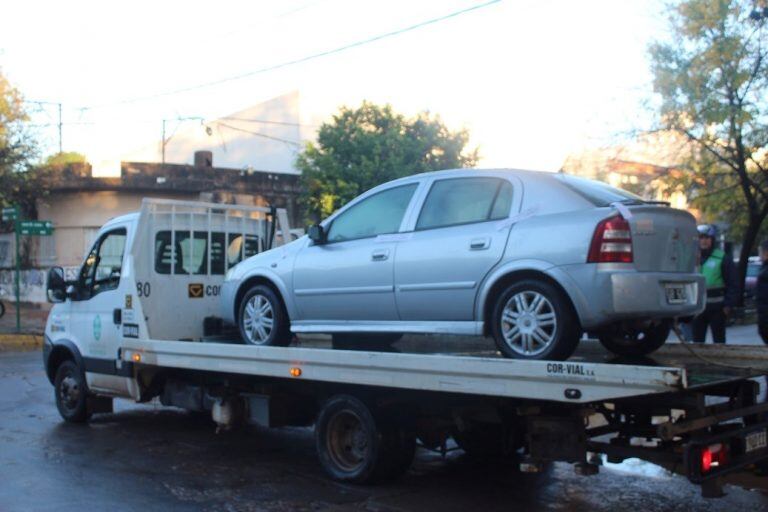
<point x="712" y="77"/>
<point x="63" y="159"/>
<point x="366" y="146"/>
<point x="17" y="152"/>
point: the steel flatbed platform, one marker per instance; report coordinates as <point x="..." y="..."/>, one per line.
<point x="592" y="375"/>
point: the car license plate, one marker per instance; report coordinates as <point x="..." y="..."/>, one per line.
<point x="755" y="441"/>
<point x="676" y="294"/>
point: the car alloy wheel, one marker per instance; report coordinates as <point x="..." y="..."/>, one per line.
<point x="529" y="323"/>
<point x="258" y="319"/>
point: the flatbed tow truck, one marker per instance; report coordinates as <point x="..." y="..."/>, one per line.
<point x="695" y="410"/>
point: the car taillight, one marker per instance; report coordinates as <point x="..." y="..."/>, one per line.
<point x="612" y="242"/>
<point x="713" y="456"/>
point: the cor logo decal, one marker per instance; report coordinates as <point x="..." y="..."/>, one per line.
<point x="195" y="290"/>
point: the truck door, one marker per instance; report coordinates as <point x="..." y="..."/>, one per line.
<point x="96" y="310"/>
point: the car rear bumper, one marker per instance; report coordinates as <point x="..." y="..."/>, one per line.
<point x="606" y="293"/>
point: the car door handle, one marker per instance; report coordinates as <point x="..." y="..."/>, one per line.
<point x="380" y="255"/>
<point x="478" y="244"/>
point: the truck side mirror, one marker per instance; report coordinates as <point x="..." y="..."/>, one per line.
<point x="57" y="285"/>
<point x="317" y="234"/>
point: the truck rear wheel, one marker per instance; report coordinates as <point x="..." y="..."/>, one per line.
<point x="71" y="393"/>
<point x="357" y="447"/>
<point x="262" y="318"/>
<point x="636" y="342"/>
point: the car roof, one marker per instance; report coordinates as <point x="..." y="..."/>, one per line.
<point x="469" y="172"/>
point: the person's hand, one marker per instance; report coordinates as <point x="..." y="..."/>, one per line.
<point x="727" y="310"/>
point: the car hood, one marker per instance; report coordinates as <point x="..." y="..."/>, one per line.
<point x="265" y="259"/>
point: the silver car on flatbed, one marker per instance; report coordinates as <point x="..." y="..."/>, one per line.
<point x="532" y="259"/>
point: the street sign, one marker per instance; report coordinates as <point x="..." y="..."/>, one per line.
<point x="36" y="227"/>
<point x="10" y="213"/>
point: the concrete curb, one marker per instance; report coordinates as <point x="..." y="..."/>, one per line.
<point x="20" y="341"/>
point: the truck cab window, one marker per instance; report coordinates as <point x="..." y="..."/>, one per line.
<point x="182" y="255"/>
<point x="102" y="268"/>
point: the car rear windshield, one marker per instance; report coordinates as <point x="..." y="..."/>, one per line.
<point x="597" y="192"/>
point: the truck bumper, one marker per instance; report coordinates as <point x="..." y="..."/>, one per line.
<point x="47" y="347"/>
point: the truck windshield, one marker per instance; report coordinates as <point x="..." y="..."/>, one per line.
<point x="597" y="192"/>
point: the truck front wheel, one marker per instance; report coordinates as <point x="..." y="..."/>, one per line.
<point x="357" y="447"/>
<point x="71" y="393"/>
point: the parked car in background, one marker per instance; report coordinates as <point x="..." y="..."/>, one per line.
<point x="750" y="281"/>
<point x="529" y="258"/>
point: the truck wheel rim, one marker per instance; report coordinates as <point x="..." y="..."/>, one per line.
<point x="258" y="319"/>
<point x="529" y="323"/>
<point x="69" y="392"/>
<point x="346" y="441"/>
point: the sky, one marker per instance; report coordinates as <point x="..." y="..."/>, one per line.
<point x="532" y="80"/>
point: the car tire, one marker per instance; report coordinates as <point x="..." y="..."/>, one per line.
<point x="533" y="320"/>
<point x="356" y="445"/>
<point x="364" y="341"/>
<point x="635" y="343"/>
<point x="262" y="318"/>
<point x="71" y="392"/>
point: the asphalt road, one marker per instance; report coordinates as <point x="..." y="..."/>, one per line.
<point x="149" y="458"/>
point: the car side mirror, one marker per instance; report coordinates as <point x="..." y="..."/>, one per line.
<point x="317" y="234"/>
<point x="57" y="285"/>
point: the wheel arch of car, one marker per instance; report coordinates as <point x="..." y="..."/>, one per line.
<point x="263" y="276"/>
<point x="495" y="284"/>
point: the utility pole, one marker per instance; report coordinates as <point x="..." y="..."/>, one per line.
<point x="59" y="125"/>
<point x="164" y="141"/>
<point x="60" y="136"/>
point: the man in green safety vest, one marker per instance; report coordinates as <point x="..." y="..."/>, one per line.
<point x="718" y="271"/>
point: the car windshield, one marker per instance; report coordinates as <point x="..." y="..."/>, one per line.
<point x="597" y="192"/>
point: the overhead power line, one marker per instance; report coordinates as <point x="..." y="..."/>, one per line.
<point x="300" y="60"/>
<point x="265" y="121"/>
<point x="257" y="134"/>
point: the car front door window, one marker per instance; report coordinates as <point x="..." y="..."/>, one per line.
<point x="378" y="214"/>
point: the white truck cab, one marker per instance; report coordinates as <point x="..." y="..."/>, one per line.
<point x="153" y="273"/>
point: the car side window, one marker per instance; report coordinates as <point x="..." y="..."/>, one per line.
<point x="457" y="201"/>
<point x="102" y="268"/>
<point x="375" y="215"/>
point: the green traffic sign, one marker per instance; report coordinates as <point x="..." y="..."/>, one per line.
<point x="36" y="227"/>
<point x="10" y="213"/>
